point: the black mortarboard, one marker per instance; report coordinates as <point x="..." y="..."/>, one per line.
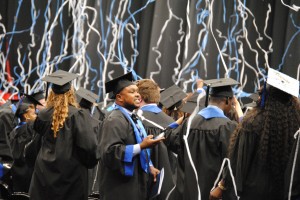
<point x="61" y="81"/>
<point x="219" y="87"/>
<point x="87" y="95"/>
<point x="38" y="95"/>
<point x="30" y="99"/>
<point x="255" y="98"/>
<point x="171" y="96"/>
<point x="191" y="103"/>
<point x="118" y="84"/>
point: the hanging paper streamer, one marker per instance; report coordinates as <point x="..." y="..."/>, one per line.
<point x="185" y="40"/>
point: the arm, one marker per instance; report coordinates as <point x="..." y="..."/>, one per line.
<point x="174" y="138"/>
<point x="85" y="129"/>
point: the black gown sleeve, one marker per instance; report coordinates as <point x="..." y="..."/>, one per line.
<point x="174" y="137"/>
<point x="85" y="131"/>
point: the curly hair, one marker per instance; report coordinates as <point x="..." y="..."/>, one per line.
<point x="275" y="124"/>
<point x="60" y="104"/>
<point x="149" y="90"/>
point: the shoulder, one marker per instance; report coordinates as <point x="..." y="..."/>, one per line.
<point x="116" y="115"/>
<point x="73" y="110"/>
<point x="45" y="114"/>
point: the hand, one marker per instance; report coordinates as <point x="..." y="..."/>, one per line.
<point x="215" y="194"/>
<point x="154" y="172"/>
<point x="237" y="107"/>
<point x="149" y="141"/>
<point x="199" y="83"/>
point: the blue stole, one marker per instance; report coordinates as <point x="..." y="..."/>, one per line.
<point x="13" y="108"/>
<point x="140" y="133"/>
<point x="211" y="112"/>
<point x="110" y="108"/>
<point x="1" y="170"/>
<point x="151" y="108"/>
<point x="20" y="124"/>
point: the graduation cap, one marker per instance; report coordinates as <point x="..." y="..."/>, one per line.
<point x="87" y="95"/>
<point x="30" y="99"/>
<point x="38" y="95"/>
<point x="118" y="84"/>
<point x="283" y="82"/>
<point x="61" y="81"/>
<point x="219" y="87"/>
<point x="191" y="103"/>
<point x="255" y="98"/>
<point x="172" y="96"/>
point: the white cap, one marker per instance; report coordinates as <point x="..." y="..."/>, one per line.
<point x="283" y="82"/>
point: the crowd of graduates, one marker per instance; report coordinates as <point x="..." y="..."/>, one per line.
<point x="145" y="142"/>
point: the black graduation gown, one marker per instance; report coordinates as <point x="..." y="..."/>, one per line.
<point x="161" y="157"/>
<point x="117" y="132"/>
<point x="93" y="175"/>
<point x="100" y="112"/>
<point x="21" y="172"/>
<point x="62" y="164"/>
<point x="295" y="190"/>
<point x="7" y="124"/>
<point x="207" y="142"/>
<point x="253" y="179"/>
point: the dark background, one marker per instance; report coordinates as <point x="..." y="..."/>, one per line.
<point x="151" y="38"/>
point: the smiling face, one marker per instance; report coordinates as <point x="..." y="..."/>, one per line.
<point x="129" y="97"/>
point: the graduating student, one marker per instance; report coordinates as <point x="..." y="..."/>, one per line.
<point x="87" y="102"/>
<point x="23" y="133"/>
<point x="125" y="160"/>
<point x="87" y="99"/>
<point x="172" y="100"/>
<point x="21" y="172"/>
<point x="38" y="98"/>
<point x="69" y="144"/>
<point x="261" y="146"/>
<point x="7" y="123"/>
<point x="155" y="120"/>
<point x="201" y="142"/>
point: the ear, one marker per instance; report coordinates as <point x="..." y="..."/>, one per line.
<point x="119" y="97"/>
<point x="25" y="115"/>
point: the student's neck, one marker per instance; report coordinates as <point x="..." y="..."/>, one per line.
<point x="219" y="105"/>
<point x="122" y="105"/>
<point x="142" y="103"/>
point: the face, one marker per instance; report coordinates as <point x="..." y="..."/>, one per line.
<point x="229" y="106"/>
<point x="30" y="114"/>
<point x="129" y="97"/>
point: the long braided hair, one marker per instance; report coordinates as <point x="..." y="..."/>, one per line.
<point x="60" y="104"/>
<point x="275" y="124"/>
